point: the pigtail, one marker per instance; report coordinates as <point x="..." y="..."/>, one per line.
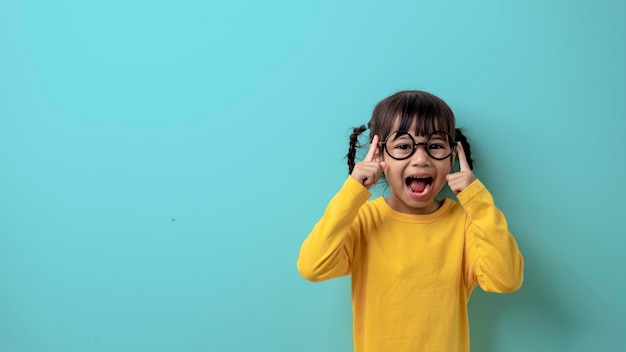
<point x="354" y="144"/>
<point x="460" y="137"/>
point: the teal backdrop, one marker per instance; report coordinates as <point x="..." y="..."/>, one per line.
<point x="162" y="161"/>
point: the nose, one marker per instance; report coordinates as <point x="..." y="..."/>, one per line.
<point x="420" y="157"/>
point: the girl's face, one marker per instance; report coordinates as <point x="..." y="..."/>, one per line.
<point x="416" y="181"/>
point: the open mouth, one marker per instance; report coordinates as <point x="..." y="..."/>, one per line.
<point x="419" y="185"/>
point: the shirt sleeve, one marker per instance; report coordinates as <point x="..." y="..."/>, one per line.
<point x="495" y="262"/>
<point x="327" y="252"/>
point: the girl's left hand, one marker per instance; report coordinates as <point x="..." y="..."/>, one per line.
<point x="459" y="181"/>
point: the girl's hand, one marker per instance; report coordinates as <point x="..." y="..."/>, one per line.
<point x="458" y="181"/>
<point x="368" y="171"/>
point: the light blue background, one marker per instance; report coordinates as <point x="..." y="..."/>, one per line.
<point x="162" y="162"/>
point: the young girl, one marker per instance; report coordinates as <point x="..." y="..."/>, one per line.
<point x="414" y="259"/>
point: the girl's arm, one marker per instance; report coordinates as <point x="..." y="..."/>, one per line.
<point x="495" y="261"/>
<point x="327" y="251"/>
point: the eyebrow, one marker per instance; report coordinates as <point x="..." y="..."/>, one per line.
<point x="401" y="133"/>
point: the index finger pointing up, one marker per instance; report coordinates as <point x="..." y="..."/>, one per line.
<point x="373" y="148"/>
<point x="462" y="158"/>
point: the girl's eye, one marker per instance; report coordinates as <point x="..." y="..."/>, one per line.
<point x="435" y="146"/>
<point x="403" y="146"/>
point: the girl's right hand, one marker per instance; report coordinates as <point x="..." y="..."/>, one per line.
<point x="368" y="171"/>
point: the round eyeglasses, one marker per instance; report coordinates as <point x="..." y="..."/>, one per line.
<point x="401" y="145"/>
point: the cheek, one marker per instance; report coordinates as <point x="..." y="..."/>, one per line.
<point x="444" y="170"/>
<point x="392" y="172"/>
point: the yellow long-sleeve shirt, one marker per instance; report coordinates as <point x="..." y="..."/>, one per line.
<point x="412" y="275"/>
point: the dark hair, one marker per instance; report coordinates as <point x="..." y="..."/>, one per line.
<point x="429" y="113"/>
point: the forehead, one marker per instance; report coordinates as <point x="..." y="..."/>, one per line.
<point x="415" y="126"/>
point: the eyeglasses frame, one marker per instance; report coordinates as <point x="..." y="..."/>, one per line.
<point x="417" y="144"/>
